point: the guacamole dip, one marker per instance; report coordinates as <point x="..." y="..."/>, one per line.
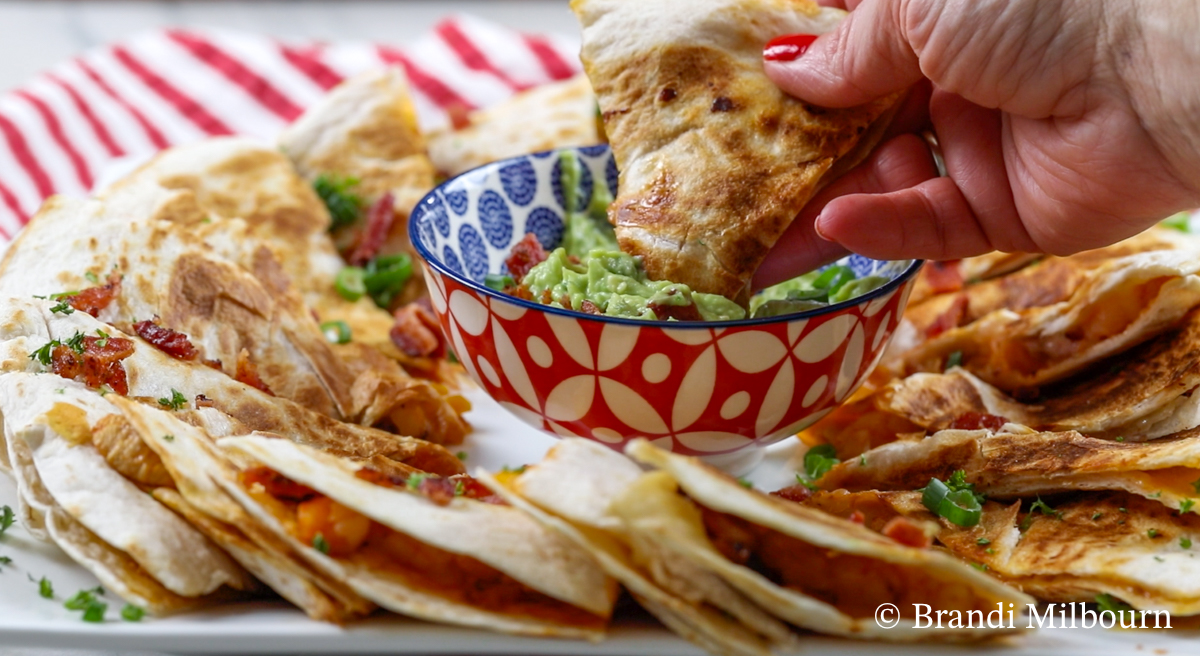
<point x="589" y="273"/>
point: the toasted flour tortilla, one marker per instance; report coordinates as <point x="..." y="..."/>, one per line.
<point x="565" y="592"/>
<point x="841" y="571"/>
<point x="1102" y="543"/>
<point x="697" y="605"/>
<point x="715" y="159"/>
<point x="145" y="234"/>
<point x="546" y="117"/>
<point x="233" y="408"/>
<point x="141" y="550"/>
<point x="1124" y="302"/>
<point x="1025" y="463"/>
<point x="200" y="473"/>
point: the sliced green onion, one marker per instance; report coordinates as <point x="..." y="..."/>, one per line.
<point x="95" y="612"/>
<point x="933" y="494"/>
<point x="498" y="282"/>
<point x="954" y="360"/>
<point x="131" y="613"/>
<point x="384" y="277"/>
<point x="961" y="508"/>
<point x="349" y="283"/>
<point x="336" y="332"/>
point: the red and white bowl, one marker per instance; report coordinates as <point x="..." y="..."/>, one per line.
<point x="716" y="389"/>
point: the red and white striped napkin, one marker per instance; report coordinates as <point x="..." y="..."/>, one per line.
<point x="128" y="100"/>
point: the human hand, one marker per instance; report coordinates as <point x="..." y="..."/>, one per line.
<point x="1063" y="125"/>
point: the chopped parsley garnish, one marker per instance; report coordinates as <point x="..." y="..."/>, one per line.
<point x="175" y="402"/>
<point x="414" y="481"/>
<point x="954" y="360"/>
<point x="92" y="277"/>
<point x="1042" y="507"/>
<point x="461" y="455"/>
<point x="1185" y="542"/>
<point x="63" y="308"/>
<point x="746" y="484"/>
<point x="1185" y="506"/>
<point x="75" y="343"/>
<point x="46" y="588"/>
<point x="343" y="204"/>
<point x="83" y="599"/>
<point x="980" y="566"/>
<point x="513" y="470"/>
<point x="1124" y="510"/>
<point x="95" y="612"/>
<point x="983" y="542"/>
<point x="7" y="519"/>
<point x="1152" y="533"/>
<point x="1110" y="603"/>
<point x="819" y="460"/>
<point x="320" y="544"/>
<point x="131" y="613"/>
<point x="168" y="438"/>
<point x="1097" y="515"/>
<point x="862" y="460"/>
<point x="44" y="354"/>
<point x="954" y="500"/>
<point x="459" y="488"/>
<point x="1120" y="438"/>
<point x="989" y="550"/>
<point x="105" y="390"/>
<point x="5" y="560"/>
<point x="103" y="341"/>
<point x="1196" y="485"/>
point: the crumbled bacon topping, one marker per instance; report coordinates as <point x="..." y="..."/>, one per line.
<point x="276" y="484"/>
<point x="379" y="223"/>
<point x="459" y="115"/>
<point x="171" y="342"/>
<point x="525" y="255"/>
<point x="589" y="307"/>
<point x="247" y="373"/>
<point x="94" y="299"/>
<point x="978" y="421"/>
<point x="904" y="531"/>
<point x="97" y="365"/>
<point x="438" y="489"/>
<point x="203" y="401"/>
<point x="417" y="332"/>
<point x="943" y="277"/>
<point x="687" y="312"/>
<point x="797" y="493"/>
<point x="951" y="318"/>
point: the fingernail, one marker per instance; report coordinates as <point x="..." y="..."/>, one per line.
<point x="788" y="47"/>
<point x="817" y="227"/>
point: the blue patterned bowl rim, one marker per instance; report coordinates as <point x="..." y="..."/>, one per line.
<point x="437" y="263"/>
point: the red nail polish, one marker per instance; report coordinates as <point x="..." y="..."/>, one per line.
<point x="788" y="47"/>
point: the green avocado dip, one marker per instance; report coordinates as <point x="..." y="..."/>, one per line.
<point x="589" y="273"/>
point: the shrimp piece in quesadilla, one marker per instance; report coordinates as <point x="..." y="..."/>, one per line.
<point x="715" y="159"/>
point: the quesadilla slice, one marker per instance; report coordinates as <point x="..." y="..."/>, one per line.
<point x="133" y="260"/>
<point x="139" y="549"/>
<point x="1072" y="548"/>
<point x="1124" y="302"/>
<point x="435" y="548"/>
<point x="715" y="159"/>
<point x="36" y="339"/>
<point x="548" y="116"/>
<point x="1024" y="463"/>
<point x="936" y="278"/>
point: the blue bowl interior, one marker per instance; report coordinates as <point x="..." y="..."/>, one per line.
<point x="467" y="226"/>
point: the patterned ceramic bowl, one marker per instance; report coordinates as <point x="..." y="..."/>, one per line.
<point x="701" y="388"/>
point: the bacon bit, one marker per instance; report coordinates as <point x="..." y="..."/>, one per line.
<point x="951" y="318"/>
<point x="438" y="489"/>
<point x="247" y="373"/>
<point x="97" y="365"/>
<point x="459" y="115"/>
<point x="796" y="493"/>
<point x="687" y="312"/>
<point x="943" y="277"/>
<point x="525" y="255"/>
<point x="94" y="299"/>
<point x="588" y="307"/>
<point x="977" y="421"/>
<point x="171" y="342"/>
<point x="203" y="401"/>
<point x="667" y="94"/>
<point x="574" y="259"/>
<point x="276" y="484"/>
<point x="857" y="517"/>
<point x="375" y="232"/>
<point x="904" y="531"/>
<point x="215" y="364"/>
<point x="417" y="332"/>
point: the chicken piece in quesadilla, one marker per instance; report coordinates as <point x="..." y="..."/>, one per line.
<point x="549" y="116"/>
<point x="1069" y="548"/>
<point x="715" y="159"/>
<point x="702" y="535"/>
<point x="437" y="548"/>
<point x="1018" y="462"/>
<point x="138" y="548"/>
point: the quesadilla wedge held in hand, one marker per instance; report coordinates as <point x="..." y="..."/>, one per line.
<point x="715" y="159"/>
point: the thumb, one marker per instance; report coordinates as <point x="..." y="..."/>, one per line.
<point x="868" y="56"/>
